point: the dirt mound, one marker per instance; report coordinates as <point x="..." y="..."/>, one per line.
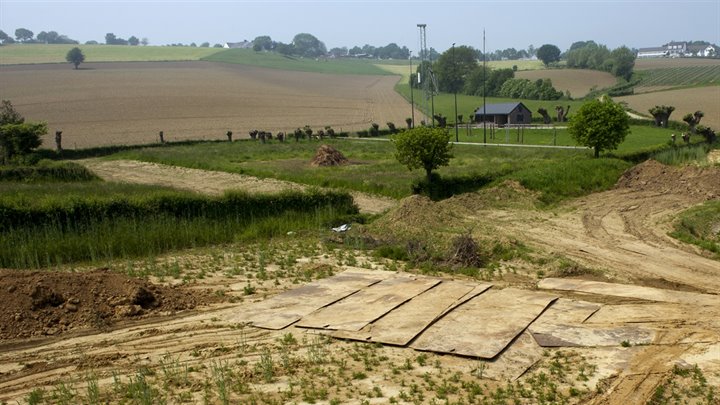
<point x="416" y="216"/>
<point x="509" y="193"/>
<point x="326" y="155"/>
<point x="49" y="303"/>
<point x="696" y="182"/>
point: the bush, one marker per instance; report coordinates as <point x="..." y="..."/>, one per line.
<point x="47" y="170"/>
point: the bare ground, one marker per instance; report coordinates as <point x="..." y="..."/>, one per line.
<point x="621" y="231"/>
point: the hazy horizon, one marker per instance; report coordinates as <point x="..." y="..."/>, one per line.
<point x="515" y="24"/>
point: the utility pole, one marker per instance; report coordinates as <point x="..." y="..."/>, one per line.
<point x="424" y="77"/>
<point x="457" y="139"/>
<point x="412" y="98"/>
<point x="484" y="91"/>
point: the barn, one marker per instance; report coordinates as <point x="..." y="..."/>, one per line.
<point x="504" y="113"/>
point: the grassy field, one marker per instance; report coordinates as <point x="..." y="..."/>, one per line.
<point x="276" y="61"/>
<point x="688" y="100"/>
<point x="40" y="53"/>
<point x="374" y="169"/>
<point x="577" y="81"/>
<point x="521" y="64"/>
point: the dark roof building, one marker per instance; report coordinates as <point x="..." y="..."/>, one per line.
<point x="504" y="113"/>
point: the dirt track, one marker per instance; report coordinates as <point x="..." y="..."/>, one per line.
<point x="211" y="182"/>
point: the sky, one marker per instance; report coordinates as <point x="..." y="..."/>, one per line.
<point x="516" y="24"/>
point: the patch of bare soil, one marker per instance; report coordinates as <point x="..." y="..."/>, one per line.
<point x="326" y="155"/>
<point x="211" y="182"/>
<point x="46" y="303"/>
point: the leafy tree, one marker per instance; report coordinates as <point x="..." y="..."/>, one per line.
<point x="284" y="49"/>
<point x="600" y="124"/>
<point x="423" y="148"/>
<point x="338" y="52"/>
<point x="16" y="136"/>
<point x="623" y="62"/>
<point x="540" y="89"/>
<point x="91" y="42"/>
<point x="145" y="41"/>
<point x="531" y="50"/>
<point x="548" y="54"/>
<point x="264" y="42"/>
<point x="133" y="40"/>
<point x="111" y="39"/>
<point x="693" y="119"/>
<point x="75" y="56"/>
<point x="3" y="36"/>
<point x="452" y="68"/>
<point x="661" y="113"/>
<point x="23" y="35"/>
<point x="205" y="45"/>
<point x="308" y="45"/>
<point x="355" y="50"/>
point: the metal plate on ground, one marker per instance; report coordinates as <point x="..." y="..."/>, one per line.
<point x="515" y="361"/>
<point x="590" y="336"/>
<point x="401" y="325"/>
<point x="290" y="306"/>
<point x="485" y="325"/>
<point x="652" y="312"/>
<point x="369" y="304"/>
<point x="629" y="291"/>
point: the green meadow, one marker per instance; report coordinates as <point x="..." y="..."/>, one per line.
<point x="41" y="53"/>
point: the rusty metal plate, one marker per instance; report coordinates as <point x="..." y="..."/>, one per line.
<point x="485" y="325"/>
<point x="652" y="312"/>
<point x="290" y="306"/>
<point x="629" y="291"/>
<point x="401" y="325"/>
<point x="367" y="305"/>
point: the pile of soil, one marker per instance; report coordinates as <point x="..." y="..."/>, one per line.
<point x="41" y="303"/>
<point x="702" y="183"/>
<point x="508" y="194"/>
<point x="414" y="217"/>
<point x="326" y="155"/>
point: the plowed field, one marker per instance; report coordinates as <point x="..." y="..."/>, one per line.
<point x="129" y="103"/>
<point x="705" y="99"/>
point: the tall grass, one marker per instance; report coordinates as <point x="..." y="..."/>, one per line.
<point x="684" y="155"/>
<point x="55" y="228"/>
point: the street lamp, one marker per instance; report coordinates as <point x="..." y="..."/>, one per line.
<point x="454" y="81"/>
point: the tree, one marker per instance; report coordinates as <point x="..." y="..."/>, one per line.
<point x="23" y="35"/>
<point x="423" y="148"/>
<point x="3" y="36"/>
<point x="453" y="67"/>
<point x="263" y="42"/>
<point x="623" y="62"/>
<point x="308" y="46"/>
<point x="661" y="113"/>
<point x="600" y="124"/>
<point x="133" y="40"/>
<point x="16" y="136"/>
<point x="205" y="45"/>
<point x="110" y="38"/>
<point x="548" y="54"/>
<point x="144" y="41"/>
<point x="75" y="56"/>
<point x="693" y="119"/>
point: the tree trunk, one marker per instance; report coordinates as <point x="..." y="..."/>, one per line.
<point x="597" y="151"/>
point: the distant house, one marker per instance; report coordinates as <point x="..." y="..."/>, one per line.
<point x="675" y="49"/>
<point x="504" y="113"/>
<point x="238" y="45"/>
<point x="655" y="52"/>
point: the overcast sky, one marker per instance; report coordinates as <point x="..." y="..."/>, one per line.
<point x="337" y="23"/>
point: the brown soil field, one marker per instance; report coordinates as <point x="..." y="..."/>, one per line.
<point x="130" y="102"/>
<point x="660" y="63"/>
<point x="192" y="351"/>
<point x="705" y="99"/>
<point x="577" y="81"/>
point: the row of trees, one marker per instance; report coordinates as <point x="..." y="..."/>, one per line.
<point x="459" y="70"/>
<point x="112" y="39"/>
<point x="590" y="55"/>
<point x="26" y="36"/>
<point x="307" y="45"/>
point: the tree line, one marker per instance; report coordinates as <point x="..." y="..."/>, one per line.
<point x="25" y="36"/>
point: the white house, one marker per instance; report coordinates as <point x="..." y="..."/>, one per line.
<point x="238" y="45"/>
<point x="655" y="52"/>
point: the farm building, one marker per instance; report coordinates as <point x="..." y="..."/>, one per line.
<point x="680" y="49"/>
<point x="504" y="113"/>
<point x="238" y="45"/>
<point x="655" y="52"/>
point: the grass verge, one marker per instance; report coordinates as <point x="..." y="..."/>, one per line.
<point x="700" y="226"/>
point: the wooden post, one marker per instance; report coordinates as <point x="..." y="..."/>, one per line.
<point x="58" y="141"/>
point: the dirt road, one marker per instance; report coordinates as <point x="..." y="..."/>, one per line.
<point x="212" y="182"/>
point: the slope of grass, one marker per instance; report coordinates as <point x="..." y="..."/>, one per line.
<point x="700" y="226"/>
<point x="277" y="61"/>
<point x="40" y="53"/>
